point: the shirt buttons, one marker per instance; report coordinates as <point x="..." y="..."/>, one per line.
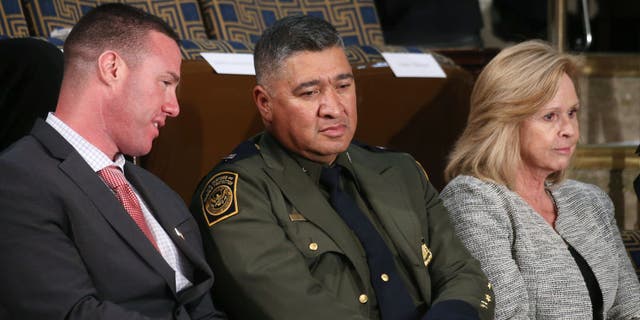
<point x="384" y="277"/>
<point x="313" y="246"/>
<point x="363" y="298"/>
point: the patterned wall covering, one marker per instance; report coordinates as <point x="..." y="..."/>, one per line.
<point x="46" y="15"/>
<point x="631" y="239"/>
<point x="244" y="20"/>
<point x="12" y="22"/>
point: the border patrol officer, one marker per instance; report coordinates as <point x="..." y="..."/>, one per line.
<point x="304" y="224"/>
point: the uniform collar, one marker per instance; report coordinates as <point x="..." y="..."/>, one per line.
<point x="313" y="169"/>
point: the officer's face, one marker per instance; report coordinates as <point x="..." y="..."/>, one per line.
<point x="310" y="105"/>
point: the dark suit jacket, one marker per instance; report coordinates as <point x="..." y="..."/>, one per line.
<point x="69" y="250"/>
<point x="281" y="252"/>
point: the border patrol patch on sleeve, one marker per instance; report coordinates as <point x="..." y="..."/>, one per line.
<point x="218" y="198"/>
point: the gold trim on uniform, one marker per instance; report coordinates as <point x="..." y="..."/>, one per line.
<point x="426" y="254"/>
<point x="296" y="216"/>
<point x="218" y="197"/>
<point x="423" y="171"/>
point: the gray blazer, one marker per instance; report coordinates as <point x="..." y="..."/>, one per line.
<point x="533" y="274"/>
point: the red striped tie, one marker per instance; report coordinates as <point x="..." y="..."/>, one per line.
<point x="115" y="179"/>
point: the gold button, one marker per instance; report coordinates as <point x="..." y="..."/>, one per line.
<point x="313" y="246"/>
<point x="363" y="298"/>
<point x="384" y="277"/>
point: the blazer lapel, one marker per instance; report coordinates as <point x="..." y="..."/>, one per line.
<point x="88" y="182"/>
<point x="166" y="213"/>
<point x="388" y="198"/>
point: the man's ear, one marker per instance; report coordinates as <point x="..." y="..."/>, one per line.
<point x="263" y="101"/>
<point x="111" y="67"/>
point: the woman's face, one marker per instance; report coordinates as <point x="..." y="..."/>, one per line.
<point x="549" y="137"/>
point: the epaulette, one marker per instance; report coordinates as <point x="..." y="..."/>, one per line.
<point x="372" y="148"/>
<point x="244" y="150"/>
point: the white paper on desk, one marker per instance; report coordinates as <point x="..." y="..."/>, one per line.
<point x="413" y="65"/>
<point x="230" y="63"/>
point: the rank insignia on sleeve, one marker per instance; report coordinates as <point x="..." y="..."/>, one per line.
<point x="218" y="198"/>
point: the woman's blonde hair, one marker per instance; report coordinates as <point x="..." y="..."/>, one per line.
<point x="512" y="87"/>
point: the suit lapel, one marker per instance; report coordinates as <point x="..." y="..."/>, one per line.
<point x="89" y="183"/>
<point x="166" y="213"/>
<point x="388" y="198"/>
<point x="176" y="225"/>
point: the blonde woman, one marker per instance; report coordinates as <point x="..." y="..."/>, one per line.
<point x="549" y="245"/>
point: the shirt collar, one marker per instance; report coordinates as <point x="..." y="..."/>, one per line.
<point x="96" y="159"/>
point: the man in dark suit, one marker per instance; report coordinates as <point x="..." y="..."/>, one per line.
<point x="300" y="223"/>
<point x="79" y="240"/>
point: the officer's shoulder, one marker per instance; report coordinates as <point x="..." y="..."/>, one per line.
<point x="378" y="151"/>
<point x="246" y="150"/>
<point x="245" y="158"/>
<point x="379" y="154"/>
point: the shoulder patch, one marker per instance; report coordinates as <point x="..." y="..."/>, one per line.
<point x="243" y="150"/>
<point x="218" y="198"/>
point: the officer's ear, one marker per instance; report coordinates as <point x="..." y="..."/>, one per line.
<point x="263" y="101"/>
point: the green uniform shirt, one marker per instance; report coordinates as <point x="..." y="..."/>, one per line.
<point x="280" y="251"/>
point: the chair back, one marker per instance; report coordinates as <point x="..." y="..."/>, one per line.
<point x="12" y="20"/>
<point x="244" y="21"/>
<point x="48" y="15"/>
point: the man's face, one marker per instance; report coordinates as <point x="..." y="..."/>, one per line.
<point x="309" y="105"/>
<point x="147" y="96"/>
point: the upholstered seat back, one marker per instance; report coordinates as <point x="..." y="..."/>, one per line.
<point x="47" y="15"/>
<point x="356" y="20"/>
<point x="12" y="20"/>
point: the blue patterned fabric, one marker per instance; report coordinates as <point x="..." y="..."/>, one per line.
<point x="47" y="15"/>
<point x="12" y="19"/>
<point x="369" y="54"/>
<point x="631" y="239"/>
<point x="356" y="20"/>
<point x="191" y="48"/>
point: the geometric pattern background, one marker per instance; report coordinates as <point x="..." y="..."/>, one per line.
<point x="191" y="48"/>
<point x="47" y="15"/>
<point x="370" y="54"/>
<point x="244" y="20"/>
<point x="631" y="239"/>
<point x="12" y="22"/>
<point x="233" y="25"/>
